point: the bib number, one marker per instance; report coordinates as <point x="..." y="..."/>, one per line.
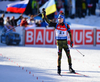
<point x="61" y="33"/>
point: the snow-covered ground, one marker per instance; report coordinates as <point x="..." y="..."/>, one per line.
<point x="39" y="64"/>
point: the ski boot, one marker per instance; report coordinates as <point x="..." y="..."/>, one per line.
<point x="71" y="70"/>
<point x="59" y="70"/>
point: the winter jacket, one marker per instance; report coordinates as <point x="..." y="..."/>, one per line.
<point x="23" y="23"/>
<point x="1" y="21"/>
<point x="14" y="22"/>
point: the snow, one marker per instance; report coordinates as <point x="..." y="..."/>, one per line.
<point x="87" y="22"/>
<point x="39" y="64"/>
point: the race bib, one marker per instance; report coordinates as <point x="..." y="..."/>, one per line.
<point x="60" y="33"/>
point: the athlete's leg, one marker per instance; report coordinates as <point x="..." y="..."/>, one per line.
<point x="59" y="47"/>
<point x="67" y="51"/>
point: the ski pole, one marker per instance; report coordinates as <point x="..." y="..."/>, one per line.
<point x="79" y="52"/>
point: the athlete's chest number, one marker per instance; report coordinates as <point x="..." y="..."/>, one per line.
<point x="62" y="32"/>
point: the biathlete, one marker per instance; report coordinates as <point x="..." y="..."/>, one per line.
<point x="61" y="30"/>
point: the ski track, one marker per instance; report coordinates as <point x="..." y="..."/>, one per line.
<point x="39" y="64"/>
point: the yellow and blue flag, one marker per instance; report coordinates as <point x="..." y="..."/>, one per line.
<point x="49" y="6"/>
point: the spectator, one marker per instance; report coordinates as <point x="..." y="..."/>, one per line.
<point x="31" y="21"/>
<point x="89" y="6"/>
<point x="78" y="8"/>
<point x="93" y="9"/>
<point x="19" y="21"/>
<point x="59" y="5"/>
<point x="38" y="23"/>
<point x="40" y="3"/>
<point x="2" y="20"/>
<point x="99" y="6"/>
<point x="69" y="7"/>
<point x="8" y="24"/>
<point x="66" y="8"/>
<point x="14" y="21"/>
<point x="44" y="24"/>
<point x="83" y="8"/>
<point x="8" y="21"/>
<point x="34" y="7"/>
<point x="24" y="22"/>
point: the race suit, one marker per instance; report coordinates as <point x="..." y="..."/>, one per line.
<point x="61" y="37"/>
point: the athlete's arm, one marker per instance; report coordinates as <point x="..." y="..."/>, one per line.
<point x="71" y="40"/>
<point x="51" y="24"/>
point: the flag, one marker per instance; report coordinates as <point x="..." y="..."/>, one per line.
<point x="49" y="6"/>
<point x="17" y="7"/>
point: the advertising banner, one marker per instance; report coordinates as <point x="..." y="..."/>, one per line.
<point x="43" y="36"/>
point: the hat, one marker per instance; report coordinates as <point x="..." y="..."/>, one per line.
<point x="8" y="17"/>
<point x="60" y="16"/>
<point x="61" y="11"/>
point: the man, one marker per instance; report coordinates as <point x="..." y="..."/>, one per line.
<point x="34" y="7"/>
<point x="8" y="26"/>
<point x="93" y="9"/>
<point x="2" y="20"/>
<point x="89" y="6"/>
<point x="24" y="22"/>
<point x="61" y="36"/>
<point x="78" y="4"/>
<point x="13" y="21"/>
<point x="84" y="7"/>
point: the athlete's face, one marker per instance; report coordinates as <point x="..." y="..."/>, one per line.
<point x="60" y="20"/>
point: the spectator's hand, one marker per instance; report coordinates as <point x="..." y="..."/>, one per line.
<point x="21" y="15"/>
<point x="71" y="43"/>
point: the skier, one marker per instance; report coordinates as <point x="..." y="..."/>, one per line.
<point x="61" y="36"/>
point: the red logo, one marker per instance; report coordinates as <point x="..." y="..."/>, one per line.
<point x="39" y="39"/>
<point x="29" y="37"/>
<point x="78" y="37"/>
<point x="98" y="37"/>
<point x="88" y="37"/>
<point x="49" y="37"/>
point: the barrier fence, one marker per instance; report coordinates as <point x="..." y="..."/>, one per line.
<point x="46" y="37"/>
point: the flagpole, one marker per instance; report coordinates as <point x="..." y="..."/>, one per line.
<point x="37" y="14"/>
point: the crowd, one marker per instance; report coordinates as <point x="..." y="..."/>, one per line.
<point x="10" y="23"/>
<point x="82" y="7"/>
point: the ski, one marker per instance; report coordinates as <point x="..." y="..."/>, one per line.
<point x="75" y="73"/>
<point x="59" y="74"/>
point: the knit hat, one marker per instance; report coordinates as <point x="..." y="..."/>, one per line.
<point x="60" y="16"/>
